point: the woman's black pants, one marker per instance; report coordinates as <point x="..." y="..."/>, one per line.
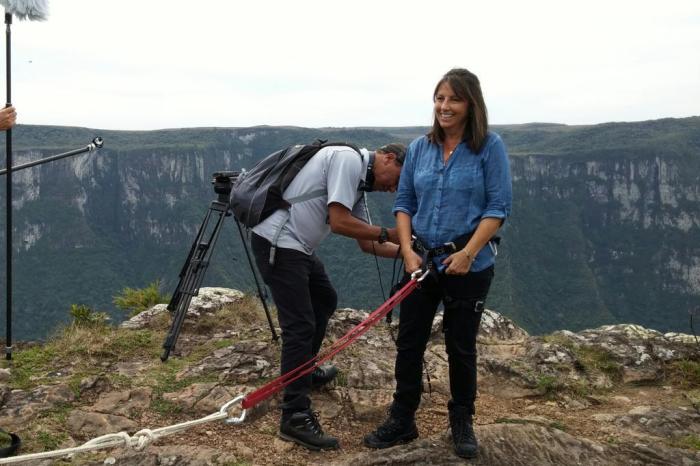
<point x="463" y="299"/>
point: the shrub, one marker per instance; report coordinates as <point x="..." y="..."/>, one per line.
<point x="135" y="300"/>
<point x="549" y="385"/>
<point x="686" y="372"/>
<point x="84" y="316"/>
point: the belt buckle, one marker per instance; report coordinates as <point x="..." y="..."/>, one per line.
<point x="416" y="245"/>
<point x="451" y="246"/>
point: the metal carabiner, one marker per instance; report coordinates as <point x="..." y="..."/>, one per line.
<point x="233" y="420"/>
<point x="424" y="274"/>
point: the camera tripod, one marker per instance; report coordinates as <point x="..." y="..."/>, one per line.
<point x="192" y="272"/>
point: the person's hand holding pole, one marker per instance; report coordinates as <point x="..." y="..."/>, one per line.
<point x="8" y="117"/>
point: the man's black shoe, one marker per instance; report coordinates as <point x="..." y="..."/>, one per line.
<point x="463" y="437"/>
<point x="322" y="375"/>
<point x="394" y="430"/>
<point x="303" y="428"/>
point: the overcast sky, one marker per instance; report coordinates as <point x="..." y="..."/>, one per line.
<point x="151" y="64"/>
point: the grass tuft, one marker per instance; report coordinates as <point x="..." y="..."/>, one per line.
<point x="690" y="442"/>
<point x="686" y="373"/>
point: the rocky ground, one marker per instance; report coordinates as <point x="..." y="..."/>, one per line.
<point x="613" y="395"/>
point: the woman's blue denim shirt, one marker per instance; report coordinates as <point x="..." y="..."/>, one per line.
<point x="448" y="201"/>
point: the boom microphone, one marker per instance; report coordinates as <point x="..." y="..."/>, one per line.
<point x="33" y="10"/>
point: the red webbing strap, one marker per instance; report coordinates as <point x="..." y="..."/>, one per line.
<point x="308" y="367"/>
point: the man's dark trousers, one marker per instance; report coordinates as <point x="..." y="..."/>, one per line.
<point x="305" y="300"/>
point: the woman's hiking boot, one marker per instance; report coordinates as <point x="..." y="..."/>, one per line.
<point x="463" y="437"/>
<point x="303" y="428"/>
<point x="399" y="427"/>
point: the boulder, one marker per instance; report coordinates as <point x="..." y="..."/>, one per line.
<point x="87" y="425"/>
<point x="209" y="300"/>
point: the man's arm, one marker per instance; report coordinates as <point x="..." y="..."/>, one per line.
<point x="343" y="223"/>
<point x="387" y="249"/>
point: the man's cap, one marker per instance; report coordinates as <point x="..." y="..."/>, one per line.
<point x="395" y="148"/>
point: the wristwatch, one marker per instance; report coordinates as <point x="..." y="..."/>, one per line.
<point x="383" y="236"/>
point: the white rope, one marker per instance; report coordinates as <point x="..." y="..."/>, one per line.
<point x="139" y="441"/>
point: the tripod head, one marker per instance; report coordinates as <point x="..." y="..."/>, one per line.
<point x="223" y="183"/>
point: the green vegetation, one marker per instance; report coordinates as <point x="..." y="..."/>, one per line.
<point x="50" y="441"/>
<point x="691" y="442"/>
<point x="30" y="364"/>
<point x="83" y="316"/>
<point x="341" y="379"/>
<point x="83" y="345"/>
<point x="165" y="380"/>
<point x="560" y="340"/>
<point x="686" y="373"/>
<point x="137" y="300"/>
<point x="5" y="440"/>
<point x="247" y="310"/>
<point x="590" y="358"/>
<point x="597" y="358"/>
<point x="549" y="385"/>
<point x="558" y="425"/>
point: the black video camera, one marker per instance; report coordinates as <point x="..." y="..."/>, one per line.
<point x="223" y="182"/>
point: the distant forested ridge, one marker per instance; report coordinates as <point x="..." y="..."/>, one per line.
<point x="605" y="225"/>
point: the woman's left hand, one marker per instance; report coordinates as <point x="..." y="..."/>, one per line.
<point x="458" y="263"/>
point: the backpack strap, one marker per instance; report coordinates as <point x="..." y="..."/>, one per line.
<point x="305" y="197"/>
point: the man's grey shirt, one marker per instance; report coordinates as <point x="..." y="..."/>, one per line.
<point x="338" y="171"/>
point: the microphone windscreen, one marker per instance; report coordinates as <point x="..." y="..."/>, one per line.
<point x="33" y="10"/>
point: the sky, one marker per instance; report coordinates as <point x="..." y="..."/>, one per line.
<point x="152" y="64"/>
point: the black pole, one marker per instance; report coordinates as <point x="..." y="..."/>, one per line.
<point x="257" y="283"/>
<point x="95" y="144"/>
<point x="8" y="197"/>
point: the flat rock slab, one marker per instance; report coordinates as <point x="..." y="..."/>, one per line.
<point x="87" y="425"/>
<point x="523" y="445"/>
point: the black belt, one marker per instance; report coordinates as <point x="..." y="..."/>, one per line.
<point x="447" y="248"/>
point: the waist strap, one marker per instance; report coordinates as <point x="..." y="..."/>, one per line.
<point x="447" y="248"/>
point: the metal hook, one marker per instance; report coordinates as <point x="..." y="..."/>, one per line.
<point x="234" y="420"/>
<point x="424" y="274"/>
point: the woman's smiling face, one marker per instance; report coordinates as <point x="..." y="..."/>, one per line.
<point x="450" y="109"/>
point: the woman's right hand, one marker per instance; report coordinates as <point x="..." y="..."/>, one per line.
<point x="412" y="262"/>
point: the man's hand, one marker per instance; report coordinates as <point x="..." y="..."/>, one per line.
<point x="8" y="117"/>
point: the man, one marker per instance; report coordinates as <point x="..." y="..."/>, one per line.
<point x="284" y="246"/>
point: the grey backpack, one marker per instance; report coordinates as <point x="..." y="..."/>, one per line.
<point x="257" y="193"/>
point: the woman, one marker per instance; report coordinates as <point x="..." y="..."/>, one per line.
<point x="454" y="193"/>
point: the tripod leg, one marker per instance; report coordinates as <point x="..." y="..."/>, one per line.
<point x="192" y="273"/>
<point x="257" y="282"/>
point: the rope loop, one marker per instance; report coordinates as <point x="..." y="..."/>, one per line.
<point x="105" y="440"/>
<point x="143" y="438"/>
